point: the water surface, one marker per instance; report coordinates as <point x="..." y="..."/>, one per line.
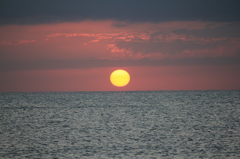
<point x="157" y="124"/>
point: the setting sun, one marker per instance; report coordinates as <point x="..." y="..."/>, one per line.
<point x="120" y="78"/>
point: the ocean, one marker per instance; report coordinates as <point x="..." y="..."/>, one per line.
<point x="128" y="125"/>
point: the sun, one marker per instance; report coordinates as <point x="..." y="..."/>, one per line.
<point x="120" y="78"/>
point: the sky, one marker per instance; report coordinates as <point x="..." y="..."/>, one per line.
<point x="74" y="45"/>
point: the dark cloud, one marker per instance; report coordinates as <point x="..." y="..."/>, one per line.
<point x="173" y="47"/>
<point x="45" y="11"/>
<point x="97" y="63"/>
<point x="227" y="30"/>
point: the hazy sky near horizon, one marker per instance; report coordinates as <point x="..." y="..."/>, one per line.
<point x="75" y="45"/>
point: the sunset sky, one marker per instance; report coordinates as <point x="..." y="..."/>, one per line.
<point x="59" y="45"/>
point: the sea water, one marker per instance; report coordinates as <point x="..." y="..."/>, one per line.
<point x="144" y="124"/>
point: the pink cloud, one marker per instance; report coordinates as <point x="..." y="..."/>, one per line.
<point x="106" y="36"/>
<point x="101" y="39"/>
<point x="16" y="42"/>
<point x="119" y="53"/>
<point x="95" y="41"/>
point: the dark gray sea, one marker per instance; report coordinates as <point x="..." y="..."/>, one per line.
<point x="129" y="125"/>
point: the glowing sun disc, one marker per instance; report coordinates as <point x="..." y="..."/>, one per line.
<point x="120" y="78"/>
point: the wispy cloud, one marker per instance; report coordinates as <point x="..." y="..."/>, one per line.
<point x="100" y="40"/>
<point x="18" y="42"/>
